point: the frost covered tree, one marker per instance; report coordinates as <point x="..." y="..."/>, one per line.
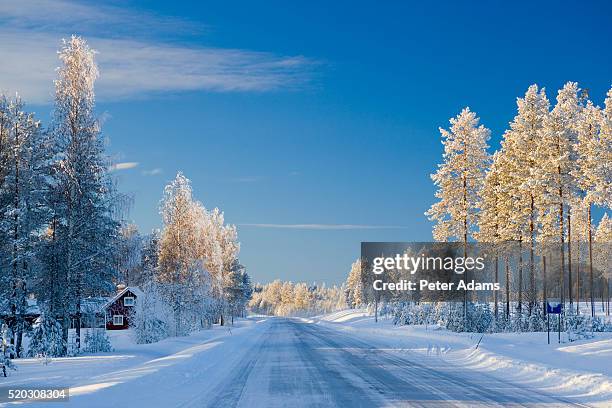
<point x="7" y="350"/>
<point x="602" y="254"/>
<point x="491" y="219"/>
<point x="178" y="247"/>
<point x="198" y="260"/>
<point x="24" y="159"/>
<point x="459" y="180"/>
<point x="354" y="286"/>
<point x="129" y="253"/>
<point x="219" y="247"/>
<point x="46" y="339"/>
<point x="149" y="258"/>
<point x="239" y="291"/>
<point x="83" y="199"/>
<point x="593" y="172"/>
<point x="288" y="299"/>
<point x="97" y="341"/>
<point x="557" y="166"/>
<point x="579" y="235"/>
<point x="518" y="179"/>
<point x="153" y="316"/>
<point x="23" y="184"/>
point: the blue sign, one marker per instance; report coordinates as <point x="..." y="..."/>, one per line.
<point x="554" y="307"/>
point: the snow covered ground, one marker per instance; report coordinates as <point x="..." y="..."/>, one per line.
<point x="342" y="359"/>
<point x="156" y="375"/>
<point x="581" y="370"/>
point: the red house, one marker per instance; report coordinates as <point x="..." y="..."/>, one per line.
<point x="120" y="308"/>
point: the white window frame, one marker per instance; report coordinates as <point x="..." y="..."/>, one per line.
<point x="129" y="297"/>
<point x="115" y="321"/>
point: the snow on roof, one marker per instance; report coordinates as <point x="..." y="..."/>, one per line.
<point x="93" y="304"/>
<point x="132" y="289"/>
<point x="32" y="306"/>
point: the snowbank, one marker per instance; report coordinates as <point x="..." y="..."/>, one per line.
<point x="582" y="369"/>
<point x="104" y="380"/>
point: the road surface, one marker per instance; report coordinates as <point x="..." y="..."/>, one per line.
<point x="271" y="362"/>
<point x="297" y="364"/>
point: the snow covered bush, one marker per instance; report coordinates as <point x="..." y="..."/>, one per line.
<point x="152" y="316"/>
<point x="97" y="341"/>
<point x="480" y="317"/>
<point x="7" y="351"/>
<point x="46" y="339"/>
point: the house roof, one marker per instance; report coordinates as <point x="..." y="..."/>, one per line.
<point x="132" y="289"/>
<point x="93" y="304"/>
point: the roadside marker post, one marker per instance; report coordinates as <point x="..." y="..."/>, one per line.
<point x="554" y="306"/>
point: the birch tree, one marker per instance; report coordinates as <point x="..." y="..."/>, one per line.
<point x="178" y="245"/>
<point x="84" y="203"/>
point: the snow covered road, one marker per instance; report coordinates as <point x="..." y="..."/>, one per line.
<point x="277" y="362"/>
<point x="302" y="364"/>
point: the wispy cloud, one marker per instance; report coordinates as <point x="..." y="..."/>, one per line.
<point x="153" y="172"/>
<point x="124" y="166"/>
<point x="132" y="64"/>
<point x="323" y="226"/>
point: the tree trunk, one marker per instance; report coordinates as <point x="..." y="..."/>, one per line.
<point x="592" y="294"/>
<point x="375" y="309"/>
<point x="507" y="288"/>
<point x="78" y="322"/>
<point x="578" y="286"/>
<point x="495" y="298"/>
<point x="569" y="260"/>
<point x="465" y="238"/>
<point x="561" y="240"/>
<point x="544" y="285"/>
<point x="17" y="282"/>
<point x="520" y="278"/>
<point x="532" y="289"/>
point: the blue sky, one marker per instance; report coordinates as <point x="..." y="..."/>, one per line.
<point x="312" y="125"/>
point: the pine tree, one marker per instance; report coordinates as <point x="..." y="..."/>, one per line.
<point x="7" y="350"/>
<point x="22" y="204"/>
<point x="46" y="338"/>
<point x="490" y="219"/>
<point x="129" y="253"/>
<point x="602" y="255"/>
<point x="354" y="286"/>
<point x="459" y="180"/>
<point x="579" y="227"/>
<point x="593" y="174"/>
<point x="149" y="259"/>
<point x="526" y="130"/>
<point x="558" y="161"/>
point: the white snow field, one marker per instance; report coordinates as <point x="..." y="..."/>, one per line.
<point x="342" y="359"/>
